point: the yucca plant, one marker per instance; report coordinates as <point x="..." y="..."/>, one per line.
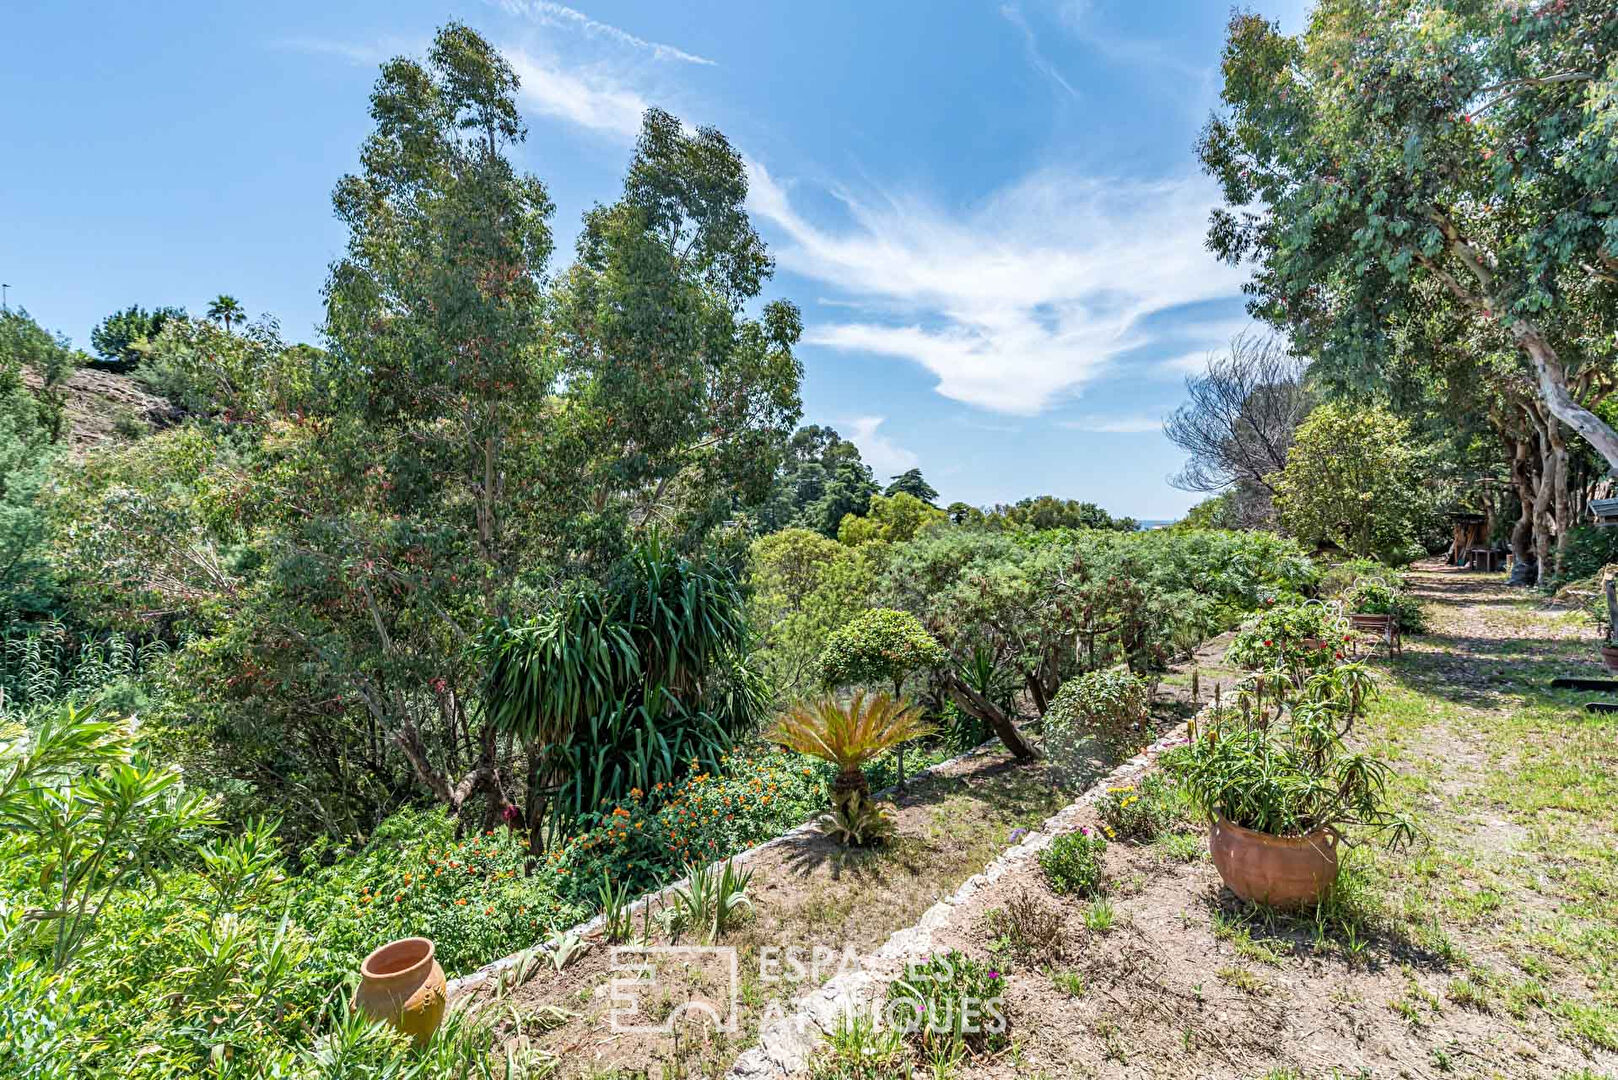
<point x="713" y="897"/>
<point x="849" y="735"/>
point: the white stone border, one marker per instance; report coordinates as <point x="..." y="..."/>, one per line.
<point x="786" y="1045"/>
<point x="475" y="979"/>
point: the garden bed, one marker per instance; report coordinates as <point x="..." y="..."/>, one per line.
<point x="807" y="893"/>
<point x="1486" y="952"/>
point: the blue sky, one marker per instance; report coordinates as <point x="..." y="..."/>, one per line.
<point x="989" y="213"/>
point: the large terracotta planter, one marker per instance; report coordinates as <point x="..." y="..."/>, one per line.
<point x="1281" y="871"/>
<point x="401" y="985"/>
<point x="1609" y="656"/>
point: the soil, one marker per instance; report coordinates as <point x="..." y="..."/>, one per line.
<point x="1190" y="982"/>
<point x="811" y="899"/>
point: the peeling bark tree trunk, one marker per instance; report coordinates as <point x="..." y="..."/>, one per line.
<point x="1558" y="399"/>
<point x="1549" y="371"/>
<point x="1561" y="503"/>
<point x="1543" y="492"/>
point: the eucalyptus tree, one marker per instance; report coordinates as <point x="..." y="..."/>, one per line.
<point x="1407" y="141"/>
<point x="680" y="403"/>
<point x="435" y="315"/>
<point x="478" y="440"/>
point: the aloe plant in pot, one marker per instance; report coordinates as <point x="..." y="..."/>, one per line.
<point x="1280" y="786"/>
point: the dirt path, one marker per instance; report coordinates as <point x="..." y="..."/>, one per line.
<point x="811" y="901"/>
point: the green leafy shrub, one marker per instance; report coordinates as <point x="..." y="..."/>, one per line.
<point x="879" y="647"/>
<point x="949" y="1002"/>
<point x="1094" y="715"/>
<point x="414" y="878"/>
<point x="1290" y="636"/>
<point x="1072" y="863"/>
<point x="759" y="792"/>
<point x="1587" y="550"/>
<point x="1373" y="597"/>
<point x="1354" y="476"/>
<point x="960" y="731"/>
<point x="1142" y="811"/>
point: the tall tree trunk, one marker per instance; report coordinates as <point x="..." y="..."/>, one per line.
<point x="1522" y="531"/>
<point x="1561" y="503"/>
<point x="1549" y="371"/>
<point x="1553" y="390"/>
<point x="987" y="711"/>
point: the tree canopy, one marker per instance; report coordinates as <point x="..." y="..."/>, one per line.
<point x="1395" y="145"/>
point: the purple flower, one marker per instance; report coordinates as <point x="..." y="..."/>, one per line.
<point x="1018" y="834"/>
<point x="994" y="974"/>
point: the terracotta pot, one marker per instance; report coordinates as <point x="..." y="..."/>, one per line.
<point x="401" y="985"/>
<point x="1281" y="871"/>
<point x="1609" y="656"/>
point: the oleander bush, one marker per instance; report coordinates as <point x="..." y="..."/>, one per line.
<point x="1287" y="637"/>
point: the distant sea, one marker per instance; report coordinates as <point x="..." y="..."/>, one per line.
<point x="1154" y="523"/>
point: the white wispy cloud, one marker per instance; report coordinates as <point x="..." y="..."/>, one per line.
<point x="1114" y="425"/>
<point x="885" y="457"/>
<point x="1013" y="14"/>
<point x="560" y="15"/>
<point x="1022" y="300"/>
<point x="591" y="98"/>
<point x="358" y="53"/>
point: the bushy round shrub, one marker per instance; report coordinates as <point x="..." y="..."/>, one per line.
<point x="1372" y="597"/>
<point x="879" y="647"/>
<point x="1091" y="717"/>
<point x="1310" y="635"/>
<point x="1072" y="863"/>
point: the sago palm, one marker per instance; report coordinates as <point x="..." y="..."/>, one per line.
<point x="850" y="734"/>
